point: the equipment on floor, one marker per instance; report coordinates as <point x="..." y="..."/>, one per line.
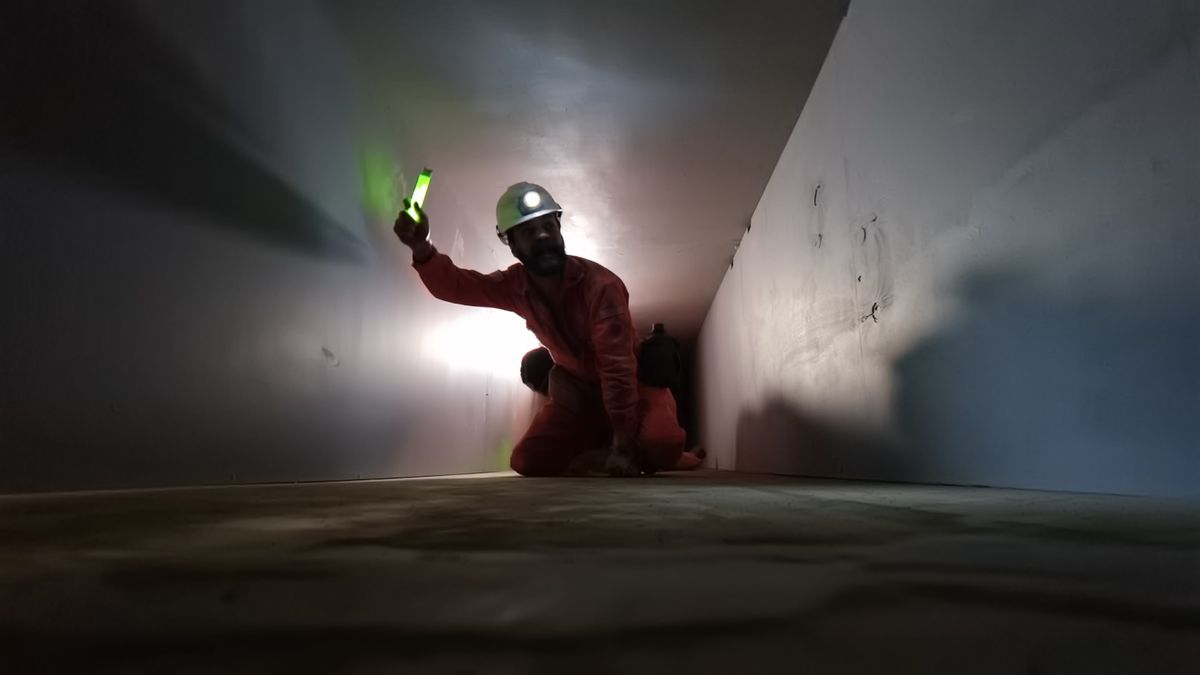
<point x="660" y="361"/>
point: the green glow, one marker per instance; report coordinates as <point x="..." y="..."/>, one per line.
<point x="501" y="455"/>
<point x="379" y="178"/>
<point x="418" y="195"/>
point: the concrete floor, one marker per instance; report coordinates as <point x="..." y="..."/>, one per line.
<point x="697" y="573"/>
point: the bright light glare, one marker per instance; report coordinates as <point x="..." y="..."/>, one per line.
<point x="575" y="235"/>
<point x="483" y="341"/>
<point x="532" y="199"/>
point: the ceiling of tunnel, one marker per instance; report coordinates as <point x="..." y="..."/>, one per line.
<point x="655" y="124"/>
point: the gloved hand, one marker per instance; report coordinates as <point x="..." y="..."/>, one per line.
<point x="624" y="458"/>
<point x="414" y="234"/>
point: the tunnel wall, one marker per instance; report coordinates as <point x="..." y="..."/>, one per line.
<point x="199" y="280"/>
<point x="975" y="262"/>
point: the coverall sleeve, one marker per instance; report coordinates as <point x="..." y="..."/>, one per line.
<point x="613" y="341"/>
<point x="446" y="281"/>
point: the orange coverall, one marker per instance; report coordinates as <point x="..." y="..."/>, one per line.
<point x="594" y="391"/>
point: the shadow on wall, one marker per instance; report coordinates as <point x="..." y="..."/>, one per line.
<point x="175" y="310"/>
<point x="780" y="437"/>
<point x="96" y="90"/>
<point x="1022" y="390"/>
<point x="1074" y="391"/>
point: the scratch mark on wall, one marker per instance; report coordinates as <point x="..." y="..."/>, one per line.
<point x="817" y="233"/>
<point x="872" y="315"/>
<point x="330" y="357"/>
<point x="875" y="264"/>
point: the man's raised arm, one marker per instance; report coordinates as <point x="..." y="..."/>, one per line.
<point x="445" y="280"/>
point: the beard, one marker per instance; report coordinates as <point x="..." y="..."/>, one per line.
<point x="546" y="260"/>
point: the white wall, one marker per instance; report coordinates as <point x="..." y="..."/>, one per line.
<point x="195" y="288"/>
<point x="1014" y="188"/>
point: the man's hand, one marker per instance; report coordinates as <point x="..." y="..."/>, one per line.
<point x="413" y="233"/>
<point x="624" y="458"/>
<point x="620" y="460"/>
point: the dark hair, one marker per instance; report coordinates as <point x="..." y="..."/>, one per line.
<point x="535" y="370"/>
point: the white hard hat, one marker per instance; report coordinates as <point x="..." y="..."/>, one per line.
<point x="523" y="202"/>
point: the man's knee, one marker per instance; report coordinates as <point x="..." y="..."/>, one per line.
<point x="527" y="464"/>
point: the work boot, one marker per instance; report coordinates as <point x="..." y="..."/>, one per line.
<point x="687" y="461"/>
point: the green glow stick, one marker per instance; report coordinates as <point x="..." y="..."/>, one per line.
<point x="418" y="195"/>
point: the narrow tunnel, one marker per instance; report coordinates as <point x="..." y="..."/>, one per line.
<point x="927" y="272"/>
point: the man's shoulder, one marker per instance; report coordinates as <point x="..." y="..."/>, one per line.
<point x="605" y="292"/>
<point x="511" y="273"/>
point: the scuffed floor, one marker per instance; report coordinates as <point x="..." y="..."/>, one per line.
<point x="698" y="573"/>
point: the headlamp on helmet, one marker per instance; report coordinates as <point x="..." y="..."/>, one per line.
<point x="521" y="203"/>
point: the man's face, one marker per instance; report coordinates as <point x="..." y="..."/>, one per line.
<point x="538" y="244"/>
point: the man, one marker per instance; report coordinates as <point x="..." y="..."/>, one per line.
<point x="598" y="421"/>
<point x="537" y="364"/>
<point x="660" y="360"/>
<point x="660" y="364"/>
